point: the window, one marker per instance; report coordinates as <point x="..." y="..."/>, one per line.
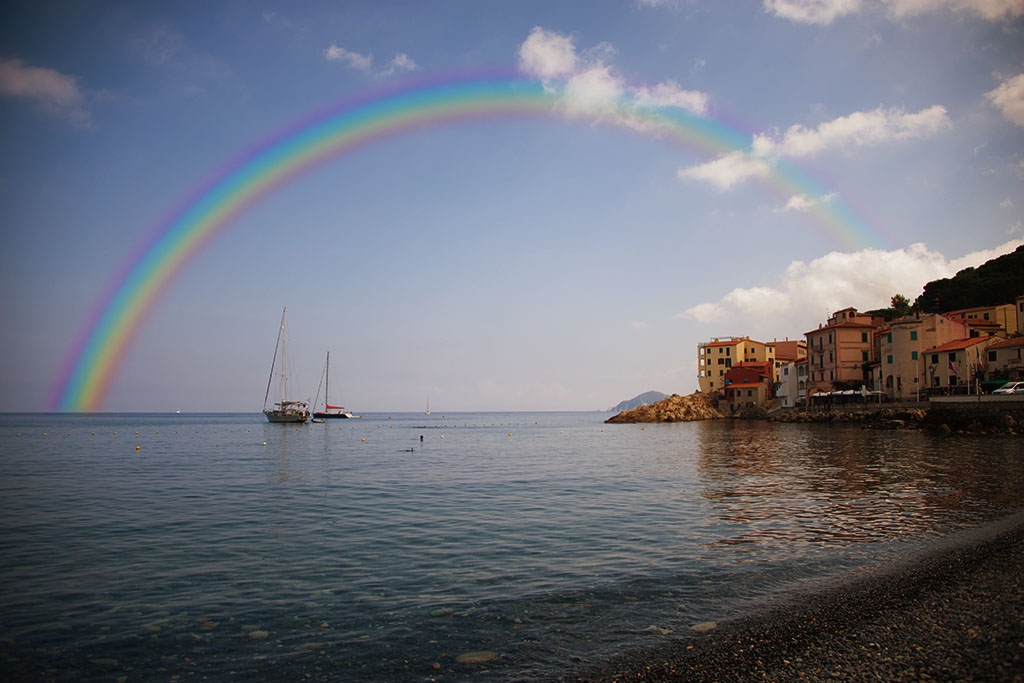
<point x="913" y="335"/>
<point x="785" y="371"/>
<point x="913" y="355"/>
<point x="831" y="375"/>
<point x="888" y="359"/>
<point x="829" y="337"/>
<point x="991" y="355"/>
<point x="727" y="351"/>
<point x="864" y="356"/>
<point x="952" y="356"/>
<point x="935" y="381"/>
<point x="986" y="316"/>
<point x="830" y="359"/>
<point x="863" y="336"/>
<point x="935" y="359"/>
<point x="888" y="338"/>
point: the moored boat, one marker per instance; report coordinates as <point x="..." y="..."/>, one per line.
<point x="329" y="411"/>
<point x="286" y="410"/>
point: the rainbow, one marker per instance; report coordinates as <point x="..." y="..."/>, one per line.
<point x="86" y="375"/>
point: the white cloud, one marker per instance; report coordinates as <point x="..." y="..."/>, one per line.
<point x="360" y="62"/>
<point x="670" y="94"/>
<point x="352" y="60"/>
<point x="859" y="129"/>
<point x="1006" y="204"/>
<point x="728" y="170"/>
<point x="807" y="292"/>
<point x="990" y="10"/>
<point x="1015" y="229"/>
<point x="812" y="11"/>
<point x="590" y="86"/>
<point x="803" y="203"/>
<point x="827" y="11"/>
<point x="1009" y="98"/>
<point x="47" y="89"/>
<point x="547" y="55"/>
<point x="400" y="62"/>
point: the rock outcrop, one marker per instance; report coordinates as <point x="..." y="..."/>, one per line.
<point x="675" y="408"/>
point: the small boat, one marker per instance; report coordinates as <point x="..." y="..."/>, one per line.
<point x="428" y="405"/>
<point x="286" y="410"/>
<point x="329" y="411"/>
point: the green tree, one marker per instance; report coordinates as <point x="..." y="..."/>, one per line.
<point x="900" y="305"/>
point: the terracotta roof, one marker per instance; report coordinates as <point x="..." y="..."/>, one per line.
<point x="726" y="343"/>
<point x="845" y="323"/>
<point x="956" y="345"/>
<point x="1007" y="343"/>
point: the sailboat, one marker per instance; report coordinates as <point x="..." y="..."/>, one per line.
<point x="428" y="404"/>
<point x="329" y="411"/>
<point x="285" y="411"/>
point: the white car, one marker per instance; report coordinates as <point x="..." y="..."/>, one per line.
<point x="1010" y="388"/>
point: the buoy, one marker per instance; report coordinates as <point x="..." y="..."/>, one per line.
<point x="137" y="448"/>
<point x="136" y="433"/>
<point x="115" y="433"/>
<point x="92" y="433"/>
<point x="44" y="433"/>
<point x="364" y="440"/>
<point x="264" y="443"/>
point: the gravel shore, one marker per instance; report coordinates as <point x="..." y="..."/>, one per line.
<point x="955" y="613"/>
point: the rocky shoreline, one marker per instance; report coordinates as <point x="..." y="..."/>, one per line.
<point x="953" y="614"/>
<point x="699" y="406"/>
<point x="675" y="408"/>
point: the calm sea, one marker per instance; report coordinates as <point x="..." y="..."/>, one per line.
<point x="413" y="547"/>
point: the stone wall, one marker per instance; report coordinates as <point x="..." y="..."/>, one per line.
<point x="959" y="412"/>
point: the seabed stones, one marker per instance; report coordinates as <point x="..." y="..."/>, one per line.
<point x="478" y="657"/>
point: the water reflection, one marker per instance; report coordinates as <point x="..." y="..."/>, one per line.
<point x="793" y="488"/>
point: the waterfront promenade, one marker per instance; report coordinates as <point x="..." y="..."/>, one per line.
<point x="955" y="613"/>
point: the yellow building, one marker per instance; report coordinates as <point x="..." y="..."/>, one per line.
<point x="1002" y="320"/>
<point x="716" y="357"/>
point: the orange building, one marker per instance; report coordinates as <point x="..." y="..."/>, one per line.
<point x="838" y="351"/>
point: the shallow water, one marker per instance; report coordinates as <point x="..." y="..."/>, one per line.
<point x="355" y="550"/>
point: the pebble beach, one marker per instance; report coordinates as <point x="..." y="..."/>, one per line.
<point x="953" y="613"/>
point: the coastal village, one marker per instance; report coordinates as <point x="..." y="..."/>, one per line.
<point x="857" y="357"/>
<point x="899" y="359"/>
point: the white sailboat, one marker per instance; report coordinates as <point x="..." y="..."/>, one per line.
<point x="428" y="404"/>
<point x="286" y="410"/>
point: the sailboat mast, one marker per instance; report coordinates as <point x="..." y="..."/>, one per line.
<point x="284" y="341"/>
<point x="327" y="382"/>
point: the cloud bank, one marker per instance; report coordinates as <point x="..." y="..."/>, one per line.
<point x="808" y="292"/>
<point x="844" y="134"/>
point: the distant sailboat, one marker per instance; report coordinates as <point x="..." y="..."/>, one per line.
<point x="428" y="404"/>
<point x="329" y="411"/>
<point x="285" y="411"/>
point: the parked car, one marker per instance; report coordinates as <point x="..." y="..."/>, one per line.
<point x="1010" y="388"/>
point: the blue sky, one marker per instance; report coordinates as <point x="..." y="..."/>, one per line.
<point x="494" y="265"/>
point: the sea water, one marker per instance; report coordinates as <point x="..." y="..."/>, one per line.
<point x="421" y="547"/>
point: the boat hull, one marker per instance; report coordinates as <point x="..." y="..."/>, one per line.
<point x="333" y="416"/>
<point x="290" y="416"/>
